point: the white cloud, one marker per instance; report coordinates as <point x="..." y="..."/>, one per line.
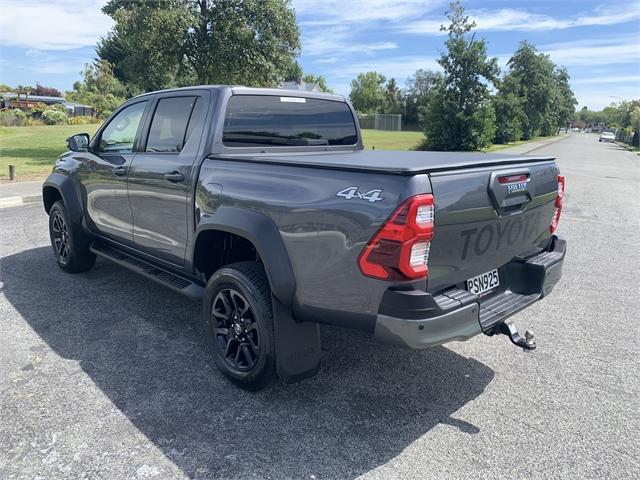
<point x="616" y="50"/>
<point x="52" y="62"/>
<point x="608" y="79"/>
<point x="397" y="67"/>
<point x="340" y="12"/>
<point x="338" y="40"/>
<point x="509" y="19"/>
<point x="332" y="27"/>
<point x="58" y="25"/>
<point x="600" y="97"/>
<point x="327" y="60"/>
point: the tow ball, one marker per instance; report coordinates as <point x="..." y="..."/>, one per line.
<point x="509" y="329"/>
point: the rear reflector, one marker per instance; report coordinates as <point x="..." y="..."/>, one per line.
<point x="419" y="254"/>
<point x="400" y="249"/>
<point x="558" y="207"/>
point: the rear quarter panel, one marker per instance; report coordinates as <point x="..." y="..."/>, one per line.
<point x="323" y="233"/>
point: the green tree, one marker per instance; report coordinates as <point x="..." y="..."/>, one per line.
<point x="367" y="92"/>
<point x="532" y="79"/>
<point x="635" y="124"/>
<point x="510" y="116"/>
<point x="461" y="115"/>
<point x="393" y="98"/>
<point x="147" y="44"/>
<point x="45" y="91"/>
<point x="164" y="43"/>
<point x="622" y="115"/>
<point x="99" y="88"/>
<point x="564" y="101"/>
<point x="319" y="79"/>
<point x="420" y="90"/>
<point x="293" y="73"/>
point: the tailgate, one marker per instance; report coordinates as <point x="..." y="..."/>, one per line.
<point x="484" y="217"/>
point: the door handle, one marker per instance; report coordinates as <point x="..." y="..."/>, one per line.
<point x="174" y="177"/>
<point x="120" y="171"/>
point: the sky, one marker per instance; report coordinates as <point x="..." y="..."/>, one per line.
<point x="599" y="42"/>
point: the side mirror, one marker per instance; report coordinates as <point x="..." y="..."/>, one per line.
<point x="78" y="142"/>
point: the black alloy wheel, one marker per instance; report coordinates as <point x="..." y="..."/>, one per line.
<point x="60" y="234"/>
<point x="236" y="330"/>
<point x="70" y="243"/>
<point x="238" y="323"/>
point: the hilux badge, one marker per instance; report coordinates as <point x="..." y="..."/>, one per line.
<point x="516" y="187"/>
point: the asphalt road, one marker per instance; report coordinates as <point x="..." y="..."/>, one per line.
<point x="105" y="375"/>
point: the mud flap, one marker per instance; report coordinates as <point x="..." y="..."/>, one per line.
<point x="297" y="345"/>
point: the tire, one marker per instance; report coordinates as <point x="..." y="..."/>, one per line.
<point x="238" y="322"/>
<point x="70" y="244"/>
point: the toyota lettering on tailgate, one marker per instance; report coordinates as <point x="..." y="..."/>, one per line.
<point x="495" y="235"/>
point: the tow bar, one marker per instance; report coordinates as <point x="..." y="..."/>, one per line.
<point x="509" y="329"/>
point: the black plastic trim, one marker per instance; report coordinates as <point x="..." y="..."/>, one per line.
<point x="265" y="237"/>
<point x="527" y="280"/>
<point x="164" y="277"/>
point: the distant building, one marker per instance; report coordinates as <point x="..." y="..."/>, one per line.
<point x="303" y="86"/>
<point x="26" y="102"/>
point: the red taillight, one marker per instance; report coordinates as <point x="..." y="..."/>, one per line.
<point x="400" y="249"/>
<point x="559" y="201"/>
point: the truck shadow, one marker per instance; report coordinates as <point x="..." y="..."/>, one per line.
<point x="142" y="346"/>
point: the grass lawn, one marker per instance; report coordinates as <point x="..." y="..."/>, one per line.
<point x="629" y="147"/>
<point x="497" y="147"/>
<point x="385" y="140"/>
<point x="33" y="150"/>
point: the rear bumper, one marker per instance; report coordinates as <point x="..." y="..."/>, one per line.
<point x="417" y="319"/>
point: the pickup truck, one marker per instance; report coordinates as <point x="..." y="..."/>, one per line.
<point x="264" y="205"/>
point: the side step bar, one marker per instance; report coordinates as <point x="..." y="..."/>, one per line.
<point x="164" y="277"/>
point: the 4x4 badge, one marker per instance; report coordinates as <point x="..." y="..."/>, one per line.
<point x="352" y="192"/>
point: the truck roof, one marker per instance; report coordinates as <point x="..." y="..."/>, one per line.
<point x="242" y="90"/>
<point x="386" y="161"/>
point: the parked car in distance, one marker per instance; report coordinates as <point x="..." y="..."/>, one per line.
<point x="263" y="205"/>
<point x="607" y="137"/>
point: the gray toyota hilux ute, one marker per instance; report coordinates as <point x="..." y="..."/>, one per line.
<point x="263" y="204"/>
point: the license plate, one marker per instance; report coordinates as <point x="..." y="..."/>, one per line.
<point x="483" y="283"/>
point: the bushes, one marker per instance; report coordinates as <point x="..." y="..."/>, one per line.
<point x="50" y="116"/>
<point x="38" y="108"/>
<point x="12" y="118"/>
<point x="54" y="117"/>
<point x="58" y="107"/>
<point x="83" y="120"/>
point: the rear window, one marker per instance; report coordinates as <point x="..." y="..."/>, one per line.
<point x="260" y="120"/>
<point x="168" y="132"/>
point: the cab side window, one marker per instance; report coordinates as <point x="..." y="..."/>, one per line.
<point x="119" y="135"/>
<point x="170" y="127"/>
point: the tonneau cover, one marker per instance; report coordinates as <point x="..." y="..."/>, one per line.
<point x="387" y="161"/>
